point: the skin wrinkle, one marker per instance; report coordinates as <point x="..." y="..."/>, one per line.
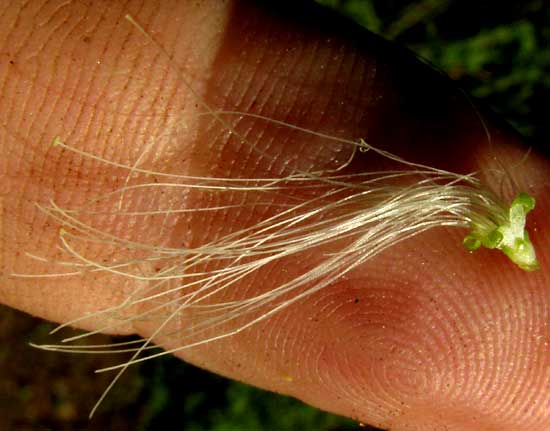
<point x="341" y="392"/>
<point x="467" y="314"/>
<point x="353" y="390"/>
<point x="274" y="79"/>
<point x="398" y="378"/>
<point x="342" y="363"/>
<point x="275" y="103"/>
<point x="250" y="94"/>
<point x="456" y="370"/>
<point x="464" y="386"/>
<point x="509" y="328"/>
<point x="437" y="347"/>
<point x="60" y="66"/>
<point x="284" y="346"/>
<point x="346" y="81"/>
<point x="427" y="282"/>
<point x="62" y="74"/>
<point x="247" y="148"/>
<point x="357" y="388"/>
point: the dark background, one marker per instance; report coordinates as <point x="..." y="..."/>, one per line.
<point x="498" y="51"/>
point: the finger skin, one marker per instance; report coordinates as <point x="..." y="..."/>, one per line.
<point x="424" y="336"/>
<point x="71" y="71"/>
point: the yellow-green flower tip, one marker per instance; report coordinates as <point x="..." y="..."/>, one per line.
<point x="510" y="237"/>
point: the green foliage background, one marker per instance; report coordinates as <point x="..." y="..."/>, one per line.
<point x="499" y="51"/>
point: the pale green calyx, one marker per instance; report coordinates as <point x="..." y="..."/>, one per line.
<point x="509" y="236"/>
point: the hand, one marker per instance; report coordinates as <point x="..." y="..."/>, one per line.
<point x="424" y="336"/>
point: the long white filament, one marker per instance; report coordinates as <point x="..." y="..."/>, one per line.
<point x="362" y="218"/>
